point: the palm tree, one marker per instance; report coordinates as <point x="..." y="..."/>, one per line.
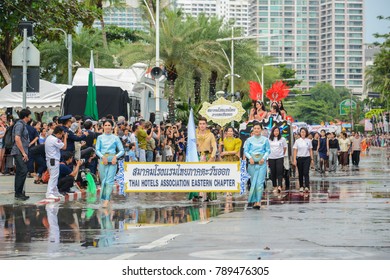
<point x="378" y="74"/>
<point x="54" y="58"/>
<point x="98" y="4"/>
<point x="210" y="31"/>
<point x="183" y="111"/>
<point x="181" y="51"/>
<point x="148" y="8"/>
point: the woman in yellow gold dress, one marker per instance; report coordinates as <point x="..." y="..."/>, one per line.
<point x="229" y="147"/>
<point x="207" y="149"/>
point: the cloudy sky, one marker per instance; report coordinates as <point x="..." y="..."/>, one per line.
<point x="374" y="8"/>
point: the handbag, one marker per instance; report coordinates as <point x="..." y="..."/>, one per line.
<point x="45" y="177"/>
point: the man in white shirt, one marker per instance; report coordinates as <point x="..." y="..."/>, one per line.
<point x="53" y="147"/>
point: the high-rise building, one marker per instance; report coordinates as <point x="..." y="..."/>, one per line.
<point x="128" y="16"/>
<point x="235" y="12"/>
<point x="321" y="39"/>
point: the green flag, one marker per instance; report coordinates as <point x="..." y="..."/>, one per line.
<point x="91" y="108"/>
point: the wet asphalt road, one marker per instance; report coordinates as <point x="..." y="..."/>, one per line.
<point x="345" y="216"/>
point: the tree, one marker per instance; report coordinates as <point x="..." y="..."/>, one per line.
<point x="211" y="28"/>
<point x="180" y="53"/>
<point x="378" y="75"/>
<point x="321" y="106"/>
<point x="310" y="111"/>
<point x="98" y="6"/>
<point x="148" y="8"/>
<point x="289" y="75"/>
<point x="122" y="35"/>
<point x="183" y="111"/>
<point x="54" y="60"/>
<point x="45" y="14"/>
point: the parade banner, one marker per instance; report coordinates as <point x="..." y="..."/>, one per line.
<point x="182" y="177"/>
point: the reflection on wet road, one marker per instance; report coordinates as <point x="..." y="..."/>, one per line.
<point x="80" y="229"/>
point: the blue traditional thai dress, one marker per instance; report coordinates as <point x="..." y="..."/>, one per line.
<point x="323" y="149"/>
<point x="257" y="147"/>
<point x="108" y="145"/>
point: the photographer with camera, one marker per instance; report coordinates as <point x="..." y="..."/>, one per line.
<point x="53" y="147"/>
<point x="68" y="176"/>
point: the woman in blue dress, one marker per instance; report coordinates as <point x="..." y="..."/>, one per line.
<point x="257" y="150"/>
<point x="108" y="148"/>
<point x="323" y="151"/>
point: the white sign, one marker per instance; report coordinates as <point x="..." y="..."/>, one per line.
<point x="222" y="111"/>
<point x="33" y="55"/>
<point x="182" y="177"/>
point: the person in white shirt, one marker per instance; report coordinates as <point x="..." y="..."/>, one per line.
<point x="278" y="146"/>
<point x="302" y="157"/>
<point x="344" y="143"/>
<point x="53" y="147"/>
<point x="356" y="142"/>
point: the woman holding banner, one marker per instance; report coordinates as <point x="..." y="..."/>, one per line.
<point x="229" y="147"/>
<point x="257" y="150"/>
<point x="207" y="149"/>
<point x="108" y="148"/>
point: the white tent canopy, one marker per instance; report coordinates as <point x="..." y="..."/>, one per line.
<point x="123" y="78"/>
<point x="49" y="95"/>
<point x="131" y="79"/>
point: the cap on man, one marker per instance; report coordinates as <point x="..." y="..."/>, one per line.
<point x="65" y="118"/>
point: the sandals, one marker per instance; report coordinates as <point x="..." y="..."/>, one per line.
<point x="38" y="182"/>
<point x="256" y="207"/>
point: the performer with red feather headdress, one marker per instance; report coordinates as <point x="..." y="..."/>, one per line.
<point x="276" y="93"/>
<point x="258" y="112"/>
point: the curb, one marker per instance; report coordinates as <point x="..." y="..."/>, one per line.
<point x="74" y="196"/>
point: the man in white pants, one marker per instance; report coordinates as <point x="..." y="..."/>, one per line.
<point x="53" y="146"/>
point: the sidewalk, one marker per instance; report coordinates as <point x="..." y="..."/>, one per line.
<point x="37" y="192"/>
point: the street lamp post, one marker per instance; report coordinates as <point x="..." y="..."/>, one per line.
<point x="350" y="109"/>
<point x="68" y="45"/>
<point x="156" y="23"/>
<point x="231" y="61"/>
<point x="157" y="91"/>
<point x="262" y="73"/>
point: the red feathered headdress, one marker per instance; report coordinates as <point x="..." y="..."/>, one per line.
<point x="255" y="91"/>
<point x="278" y="91"/>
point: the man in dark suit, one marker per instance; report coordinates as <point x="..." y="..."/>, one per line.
<point x="66" y="122"/>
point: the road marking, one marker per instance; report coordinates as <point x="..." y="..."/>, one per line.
<point x="126" y="256"/>
<point x="159" y="242"/>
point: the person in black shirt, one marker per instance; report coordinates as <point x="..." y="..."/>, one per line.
<point x="67" y="175"/>
<point x="88" y="151"/>
<point x="34" y="136"/>
<point x="316" y="158"/>
<point x="39" y="155"/>
<point x="66" y="124"/>
<point x="90" y="138"/>
<point x="20" y="153"/>
<point x="334" y="149"/>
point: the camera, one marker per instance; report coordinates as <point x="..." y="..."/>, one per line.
<point x="83" y="177"/>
